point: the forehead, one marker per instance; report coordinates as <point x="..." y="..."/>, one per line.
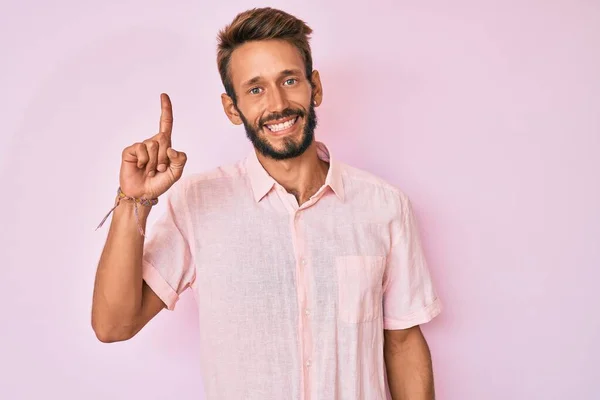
<point x="265" y="59"/>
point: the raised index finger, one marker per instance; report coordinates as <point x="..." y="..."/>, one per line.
<point x="166" y="115"/>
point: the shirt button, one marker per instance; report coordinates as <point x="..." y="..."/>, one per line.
<point x="303" y="261"/>
<point x="307" y="311"/>
<point x="308" y="364"/>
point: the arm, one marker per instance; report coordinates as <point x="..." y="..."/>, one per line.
<point x="408" y="365"/>
<point x="122" y="302"/>
<point x="409" y="301"/>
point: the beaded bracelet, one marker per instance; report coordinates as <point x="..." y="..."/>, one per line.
<point x="136" y="201"/>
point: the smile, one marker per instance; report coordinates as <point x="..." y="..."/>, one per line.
<point x="282" y="126"/>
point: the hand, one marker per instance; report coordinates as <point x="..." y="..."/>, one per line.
<point x="150" y="168"/>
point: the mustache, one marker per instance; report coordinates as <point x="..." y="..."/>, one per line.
<point x="288" y="112"/>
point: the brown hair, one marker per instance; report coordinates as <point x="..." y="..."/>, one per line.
<point x="261" y="24"/>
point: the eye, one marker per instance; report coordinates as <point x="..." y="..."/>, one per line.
<point x="254" y="90"/>
<point x="291" y="81"/>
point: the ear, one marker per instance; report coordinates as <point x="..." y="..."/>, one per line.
<point x="230" y="109"/>
<point x="317" y="88"/>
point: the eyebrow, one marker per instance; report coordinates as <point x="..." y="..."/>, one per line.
<point x="285" y="72"/>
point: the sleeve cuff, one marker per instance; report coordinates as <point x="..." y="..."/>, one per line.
<point x="419" y="317"/>
<point x="159" y="285"/>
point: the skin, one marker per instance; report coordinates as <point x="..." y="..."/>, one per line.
<point x="268" y="78"/>
<point x="270" y="83"/>
<point x="122" y="302"/>
<point x="408" y="364"/>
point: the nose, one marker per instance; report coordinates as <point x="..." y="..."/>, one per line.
<point x="277" y="101"/>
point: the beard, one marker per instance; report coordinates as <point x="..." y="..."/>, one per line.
<point x="291" y="147"/>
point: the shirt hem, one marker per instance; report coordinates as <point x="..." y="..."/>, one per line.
<point x="159" y="285"/>
<point x="422" y="316"/>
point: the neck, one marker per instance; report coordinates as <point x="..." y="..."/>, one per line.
<point x="302" y="176"/>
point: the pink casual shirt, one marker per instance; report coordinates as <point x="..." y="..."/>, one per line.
<point x="292" y="300"/>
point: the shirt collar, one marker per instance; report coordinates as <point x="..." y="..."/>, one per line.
<point x="262" y="182"/>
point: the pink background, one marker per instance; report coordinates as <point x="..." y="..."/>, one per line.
<point x="487" y="114"/>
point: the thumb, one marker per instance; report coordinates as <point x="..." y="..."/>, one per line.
<point x="177" y="160"/>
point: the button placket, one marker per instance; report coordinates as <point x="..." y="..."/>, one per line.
<point x="303" y="274"/>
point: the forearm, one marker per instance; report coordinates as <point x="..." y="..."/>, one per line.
<point x="117" y="294"/>
<point x="409" y="368"/>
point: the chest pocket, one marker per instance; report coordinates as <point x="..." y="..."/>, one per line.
<point x="360" y="281"/>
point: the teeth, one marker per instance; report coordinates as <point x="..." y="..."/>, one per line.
<point x="282" y="126"/>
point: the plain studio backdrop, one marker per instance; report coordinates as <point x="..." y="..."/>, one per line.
<point x="486" y="113"/>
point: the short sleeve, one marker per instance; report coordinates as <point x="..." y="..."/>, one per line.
<point x="409" y="297"/>
<point x="167" y="262"/>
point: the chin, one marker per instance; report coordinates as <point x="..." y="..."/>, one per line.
<point x="285" y="143"/>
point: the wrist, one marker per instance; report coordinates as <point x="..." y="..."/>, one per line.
<point x="129" y="205"/>
<point x="125" y="206"/>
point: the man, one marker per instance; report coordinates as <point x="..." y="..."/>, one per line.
<point x="308" y="273"/>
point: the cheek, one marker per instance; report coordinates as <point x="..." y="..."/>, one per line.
<point x="251" y="113"/>
<point x="300" y="99"/>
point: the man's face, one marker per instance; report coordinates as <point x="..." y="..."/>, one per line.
<point x="274" y="98"/>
